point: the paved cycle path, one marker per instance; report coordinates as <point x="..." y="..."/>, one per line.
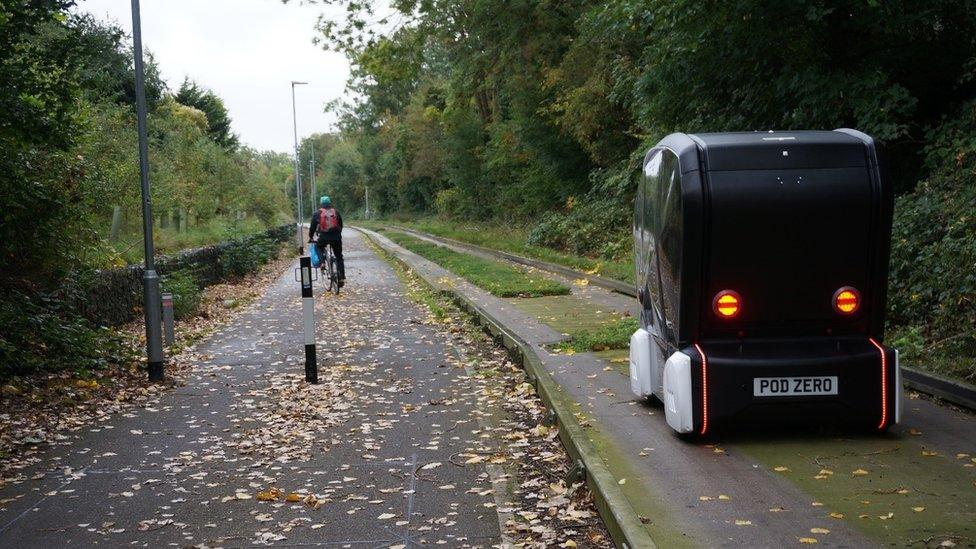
<point x="360" y="460"/>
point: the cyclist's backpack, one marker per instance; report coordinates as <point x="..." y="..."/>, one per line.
<point x="328" y="219"/>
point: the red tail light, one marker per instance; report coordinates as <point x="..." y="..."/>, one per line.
<point x="727" y="304"/>
<point x="847" y="300"/>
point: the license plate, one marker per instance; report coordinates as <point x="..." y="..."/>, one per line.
<point x="794" y="386"/>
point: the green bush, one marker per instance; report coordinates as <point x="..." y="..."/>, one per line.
<point x="245" y="256"/>
<point x="933" y="268"/>
<point x="187" y="294"/>
<point x="598" y="224"/>
<point x="41" y="335"/>
<point x="449" y="203"/>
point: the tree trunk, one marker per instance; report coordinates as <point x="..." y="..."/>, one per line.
<point x="113" y="234"/>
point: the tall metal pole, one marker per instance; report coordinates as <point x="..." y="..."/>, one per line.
<point x="311" y="174"/>
<point x="150" y="280"/>
<point x="298" y="174"/>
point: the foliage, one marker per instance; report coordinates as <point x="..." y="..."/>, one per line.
<point x="933" y="265"/>
<point x="69" y="175"/>
<point x="209" y="103"/>
<point x="506" y="107"/>
<point x="537" y="113"/>
<point x="187" y="294"/>
<point x="495" y="277"/>
<point x="246" y="255"/>
<point x="39" y="334"/>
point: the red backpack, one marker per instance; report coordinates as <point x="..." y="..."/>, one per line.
<point x="328" y="219"/>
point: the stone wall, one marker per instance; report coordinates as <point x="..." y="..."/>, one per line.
<point x="115" y="295"/>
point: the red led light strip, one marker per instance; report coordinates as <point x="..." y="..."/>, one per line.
<point x="704" y="389"/>
<point x="884" y="383"/>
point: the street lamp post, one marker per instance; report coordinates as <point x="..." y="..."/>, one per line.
<point x="298" y="175"/>
<point x="150" y="280"/>
<point x="311" y="174"/>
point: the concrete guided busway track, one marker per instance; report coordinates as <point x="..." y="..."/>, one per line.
<point x="765" y="488"/>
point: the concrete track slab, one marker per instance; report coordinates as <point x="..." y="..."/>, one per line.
<point x="728" y="491"/>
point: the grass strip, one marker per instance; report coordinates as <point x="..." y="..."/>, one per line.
<point x="514" y="240"/>
<point x="495" y="277"/>
<point x="615" y="335"/>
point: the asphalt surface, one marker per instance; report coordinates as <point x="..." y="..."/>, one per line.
<point x="760" y="485"/>
<point x="366" y="452"/>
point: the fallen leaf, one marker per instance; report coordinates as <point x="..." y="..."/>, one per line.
<point x="781" y="469"/>
<point x="739" y="522"/>
<point x="918" y="509"/>
<point x="859" y="472"/>
<point x="268" y="495"/>
<point x="837" y="515"/>
<point x="386" y="516"/>
<point x="808" y="541"/>
<point x="819" y="531"/>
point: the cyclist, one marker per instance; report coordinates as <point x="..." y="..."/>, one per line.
<point x="328" y="224"/>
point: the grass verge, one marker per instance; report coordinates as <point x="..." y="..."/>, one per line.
<point x="615" y="335"/>
<point x="497" y="278"/>
<point x="513" y="239"/>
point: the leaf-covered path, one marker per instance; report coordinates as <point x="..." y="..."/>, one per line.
<point x="416" y="435"/>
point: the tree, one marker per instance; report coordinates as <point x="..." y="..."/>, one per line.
<point x="193" y="95"/>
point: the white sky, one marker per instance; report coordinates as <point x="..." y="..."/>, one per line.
<point x="248" y="52"/>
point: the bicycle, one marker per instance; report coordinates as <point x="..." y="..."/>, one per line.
<point x="329" y="269"/>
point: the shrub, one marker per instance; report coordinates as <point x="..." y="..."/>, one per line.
<point x="598" y="224"/>
<point x="186" y="293"/>
<point x="244" y="256"/>
<point x="449" y="203"/>
<point x="933" y="264"/>
<point x="41" y="334"/>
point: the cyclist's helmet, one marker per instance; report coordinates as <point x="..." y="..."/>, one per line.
<point x="325" y="201"/>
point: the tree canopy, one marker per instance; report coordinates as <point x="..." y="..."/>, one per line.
<point x="511" y="108"/>
<point x="209" y="103"/>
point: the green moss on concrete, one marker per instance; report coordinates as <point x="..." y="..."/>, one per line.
<point x="659" y="523"/>
<point x="900" y="480"/>
<point x="567" y="314"/>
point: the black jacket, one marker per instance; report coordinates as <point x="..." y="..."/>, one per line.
<point x="334" y="234"/>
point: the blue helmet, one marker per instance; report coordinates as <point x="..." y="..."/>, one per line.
<point x="325" y="201"/>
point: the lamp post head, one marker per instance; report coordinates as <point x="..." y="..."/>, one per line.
<point x="297" y="83"/>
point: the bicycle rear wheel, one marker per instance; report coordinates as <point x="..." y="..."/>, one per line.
<point x="334" y="282"/>
<point x="329" y="271"/>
